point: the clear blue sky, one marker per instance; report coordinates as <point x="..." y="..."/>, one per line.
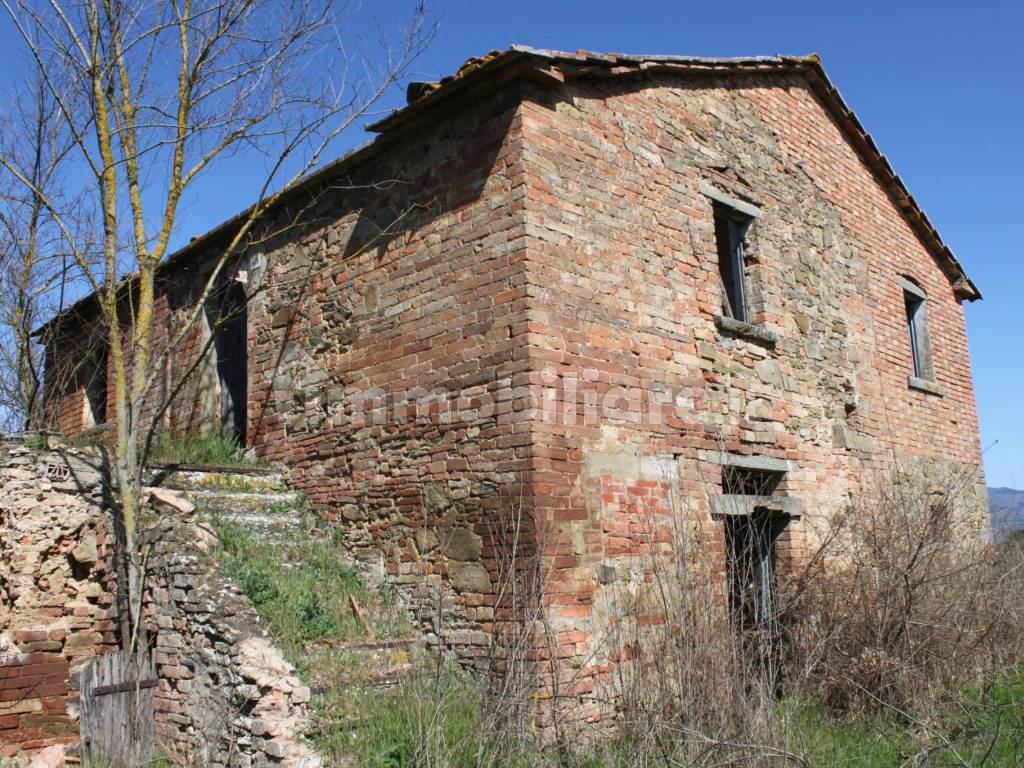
<point x="938" y="84"/>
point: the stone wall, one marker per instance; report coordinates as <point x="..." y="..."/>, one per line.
<point x="56" y="590"/>
<point x="226" y="697"/>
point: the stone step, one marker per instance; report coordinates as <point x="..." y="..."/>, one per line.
<point x="267" y="512"/>
<point x="194" y="478"/>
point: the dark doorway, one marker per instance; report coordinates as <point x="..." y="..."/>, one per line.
<point x="95" y="374"/>
<point x="752" y="565"/>
<point x="226" y="311"/>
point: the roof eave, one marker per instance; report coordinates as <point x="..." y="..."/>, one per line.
<point x="542" y="65"/>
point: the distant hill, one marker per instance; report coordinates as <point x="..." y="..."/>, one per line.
<point x="1007" y="505"/>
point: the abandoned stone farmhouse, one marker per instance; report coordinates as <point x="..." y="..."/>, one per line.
<point x="581" y="297"/>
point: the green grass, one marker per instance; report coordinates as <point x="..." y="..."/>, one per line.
<point x="867" y="741"/>
<point x="436" y="721"/>
<point x="990" y="723"/>
<point x="37" y="441"/>
<point x="303" y="589"/>
<point x="214" y="449"/>
<point x="426" y="721"/>
<point x="976" y="728"/>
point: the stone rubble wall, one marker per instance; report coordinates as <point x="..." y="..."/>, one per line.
<point x="56" y="591"/>
<point x="227" y="698"/>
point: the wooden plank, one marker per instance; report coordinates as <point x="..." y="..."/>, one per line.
<point x="116" y="720"/>
<point x="131" y="685"/>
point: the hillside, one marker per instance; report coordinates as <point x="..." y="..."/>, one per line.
<point x="1007" y="505"/>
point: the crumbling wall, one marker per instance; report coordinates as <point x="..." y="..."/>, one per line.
<point x="56" y="590"/>
<point x="226" y="696"/>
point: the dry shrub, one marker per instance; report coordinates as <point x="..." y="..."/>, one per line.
<point x="905" y="603"/>
<point x="690" y="688"/>
<point x="902" y="609"/>
<point x="518" y="661"/>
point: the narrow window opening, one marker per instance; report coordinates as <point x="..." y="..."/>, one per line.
<point x="730" y="230"/>
<point x="95" y="375"/>
<point x="227" y="315"/>
<point x="917" y="333"/>
<point x="913" y="306"/>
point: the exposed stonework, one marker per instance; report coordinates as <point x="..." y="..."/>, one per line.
<point x="531" y="324"/>
<point x="226" y="697"/>
<point x="56" y="587"/>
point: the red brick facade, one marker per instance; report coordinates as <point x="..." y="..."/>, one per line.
<point x="33" y="700"/>
<point x="534" y="258"/>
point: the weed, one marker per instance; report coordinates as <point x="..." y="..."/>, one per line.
<point x="304" y="589"/>
<point x="213" y="449"/>
<point x="37" y="441"/>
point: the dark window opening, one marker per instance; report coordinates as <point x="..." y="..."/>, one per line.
<point x="749" y="482"/>
<point x="226" y="312"/>
<point x="730" y="232"/>
<point x="917" y="329"/>
<point x="753" y="585"/>
<point x="750" y="541"/>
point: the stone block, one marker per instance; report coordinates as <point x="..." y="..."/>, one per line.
<point x="462" y="544"/>
<point x="469" y="577"/>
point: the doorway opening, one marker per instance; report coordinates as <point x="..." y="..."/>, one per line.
<point x="94" y="374"/>
<point x="227" y="316"/>
<point x="752" y="565"/>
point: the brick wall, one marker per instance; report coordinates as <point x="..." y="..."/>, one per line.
<point x="538" y="267"/>
<point x="33" y="697"/>
<point x="623" y="289"/>
<point x="356" y="327"/>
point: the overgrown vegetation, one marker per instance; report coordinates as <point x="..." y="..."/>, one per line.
<point x="306" y="591"/>
<point x="438" y="722"/>
<point x="213" y="449"/>
<point x="899" y="645"/>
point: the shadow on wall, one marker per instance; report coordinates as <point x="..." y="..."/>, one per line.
<point x="338" y="279"/>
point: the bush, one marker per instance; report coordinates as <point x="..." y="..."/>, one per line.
<point x="898" y="643"/>
<point x="905" y="604"/>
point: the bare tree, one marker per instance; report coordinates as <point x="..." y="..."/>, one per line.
<point x="154" y="95"/>
<point x="34" y="274"/>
